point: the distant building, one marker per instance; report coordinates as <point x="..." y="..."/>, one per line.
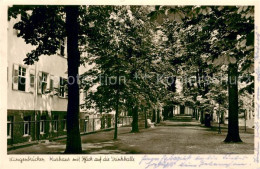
<point x="179" y="110"/>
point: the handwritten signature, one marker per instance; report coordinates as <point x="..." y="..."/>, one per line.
<point x="192" y="161"/>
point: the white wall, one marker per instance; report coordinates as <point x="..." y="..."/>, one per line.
<point x="55" y="65"/>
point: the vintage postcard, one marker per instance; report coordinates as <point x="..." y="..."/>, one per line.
<point x="130" y="84"/>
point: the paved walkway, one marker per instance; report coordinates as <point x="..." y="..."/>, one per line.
<point x="167" y="138"/>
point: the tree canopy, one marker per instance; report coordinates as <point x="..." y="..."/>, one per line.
<point x="138" y="53"/>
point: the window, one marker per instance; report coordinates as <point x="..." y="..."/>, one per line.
<point x="62" y="87"/>
<point x="62" y="92"/>
<point x="55" y="123"/>
<point x="43" y="87"/>
<point x="86" y="124"/>
<point x="21" y="78"/>
<point x="26" y="123"/>
<point x="9" y="126"/>
<point x="44" y="82"/>
<point x="42" y="124"/>
<point x="61" y="50"/>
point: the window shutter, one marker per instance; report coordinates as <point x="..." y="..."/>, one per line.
<point x="48" y="82"/>
<point x="51" y="85"/>
<point x="15" y="77"/>
<point x="66" y="88"/>
<point x="27" y="82"/>
<point x="32" y="80"/>
<point x="39" y="82"/>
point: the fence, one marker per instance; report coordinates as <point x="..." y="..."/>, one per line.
<point x="95" y="124"/>
<point x="28" y="130"/>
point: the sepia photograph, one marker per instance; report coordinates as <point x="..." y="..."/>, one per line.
<point x="128" y="79"/>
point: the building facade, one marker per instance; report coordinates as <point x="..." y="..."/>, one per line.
<point x="37" y="95"/>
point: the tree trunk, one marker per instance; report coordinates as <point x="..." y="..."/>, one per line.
<point x="158" y="119"/>
<point x="202" y="117"/>
<point x="145" y="118"/>
<point x="73" y="145"/>
<point x="117" y="102"/>
<point x="182" y="109"/>
<point x="166" y="112"/>
<point x="116" y="119"/>
<point x="222" y="117"/>
<point x="135" y="120"/>
<point x="233" y="130"/>
<point x="171" y="111"/>
<point x="207" y="120"/>
<point x="153" y="116"/>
